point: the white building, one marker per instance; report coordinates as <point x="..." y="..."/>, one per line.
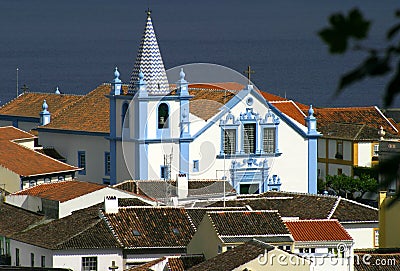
<point x="210" y="133"/>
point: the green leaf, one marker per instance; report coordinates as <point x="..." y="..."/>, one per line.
<point x="393" y="88"/>
<point x="393" y="31"/>
<point x="336" y="41"/>
<point x="357" y="26"/>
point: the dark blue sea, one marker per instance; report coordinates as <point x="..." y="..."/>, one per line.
<point x="75" y="45"/>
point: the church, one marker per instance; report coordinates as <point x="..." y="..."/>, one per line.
<point x="160" y="129"/>
<point x="157" y="128"/>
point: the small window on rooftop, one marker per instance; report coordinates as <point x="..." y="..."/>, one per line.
<point x="175" y="231"/>
<point x="136" y="233"/>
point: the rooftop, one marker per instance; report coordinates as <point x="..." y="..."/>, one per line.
<point x="27" y="162"/>
<point x="317" y="230"/>
<point x="247" y="223"/>
<point x="151" y="227"/>
<point x="61" y="191"/>
<point x="29" y="104"/>
<point x="88" y="231"/>
<point x="234" y="258"/>
<point x="306" y="206"/>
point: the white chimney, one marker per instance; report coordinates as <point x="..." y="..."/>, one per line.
<point x="182" y="185"/>
<point x="111" y="204"/>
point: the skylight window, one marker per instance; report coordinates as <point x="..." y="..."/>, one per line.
<point x="175" y="231"/>
<point x="136" y="233"/>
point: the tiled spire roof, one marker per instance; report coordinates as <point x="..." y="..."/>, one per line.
<point x="149" y="61"/>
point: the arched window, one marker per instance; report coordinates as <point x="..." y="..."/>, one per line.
<point x="125" y="115"/>
<point x="163" y="114"/>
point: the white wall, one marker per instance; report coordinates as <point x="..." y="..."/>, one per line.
<point x="68" y="146"/>
<point x="67" y="207"/>
<point x="362" y="233"/>
<point x="364" y="154"/>
<point x="25" y="251"/>
<point x="73" y="258"/>
<point x="26" y="202"/>
<point x="10" y="180"/>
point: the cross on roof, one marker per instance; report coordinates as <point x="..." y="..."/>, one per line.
<point x="24" y="88"/>
<point x="249" y="71"/>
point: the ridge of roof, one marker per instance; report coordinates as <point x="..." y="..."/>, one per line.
<point x="334" y="207"/>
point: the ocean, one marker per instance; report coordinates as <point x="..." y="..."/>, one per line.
<point x="75" y="45"/>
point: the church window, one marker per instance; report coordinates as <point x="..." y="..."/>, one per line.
<point x="163" y="114"/>
<point x="229" y="141"/>
<point x="17" y="262"/>
<point x="32" y="260"/>
<point x="107" y="163"/>
<point x="89" y="263"/>
<point x="82" y="162"/>
<point x="125" y="115"/>
<point x="339" y="149"/>
<point x="196" y="165"/>
<point x="269" y="140"/>
<point x="249" y="145"/>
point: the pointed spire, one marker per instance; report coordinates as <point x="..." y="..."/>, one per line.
<point x="116" y="85"/>
<point x="57" y="91"/>
<point x="149" y="61"/>
<point x="44" y="114"/>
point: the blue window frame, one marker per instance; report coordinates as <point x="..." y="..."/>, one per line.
<point x="82" y="162"/>
<point x="107" y="163"/>
<point x="125" y="115"/>
<point x="196" y="165"/>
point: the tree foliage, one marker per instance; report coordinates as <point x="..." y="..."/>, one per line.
<point x="346" y="32"/>
<point x="349" y="184"/>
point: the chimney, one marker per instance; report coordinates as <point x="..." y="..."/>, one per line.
<point x="44" y="114"/>
<point x="182" y="185"/>
<point x="111" y="204"/>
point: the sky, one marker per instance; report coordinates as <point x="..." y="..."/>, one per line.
<point x="76" y="44"/>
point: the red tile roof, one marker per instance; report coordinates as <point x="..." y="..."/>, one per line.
<point x="24" y="161"/>
<point x="89" y="114"/>
<point x="12" y="133"/>
<point x="272" y="97"/>
<point x="292" y="110"/>
<point x="30" y="104"/>
<point x="317" y="230"/>
<point x="61" y="191"/>
<point x="370" y="116"/>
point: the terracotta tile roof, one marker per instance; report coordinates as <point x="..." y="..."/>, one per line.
<point x="247" y="223"/>
<point x="89" y="231"/>
<point x="306" y="206"/>
<point x="26" y="162"/>
<point x="12" y="133"/>
<point x="317" y="230"/>
<point x="184" y="262"/>
<point x="61" y="191"/>
<point x="232" y="259"/>
<point x="157" y="189"/>
<point x="9" y="225"/>
<point x="380" y="259"/>
<point x="30" y="104"/>
<point x="272" y="97"/>
<point x="151" y="227"/>
<point x="89" y="114"/>
<point x="370" y="116"/>
<point x="292" y="110"/>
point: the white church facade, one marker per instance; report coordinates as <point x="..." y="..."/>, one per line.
<point x="160" y="130"/>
